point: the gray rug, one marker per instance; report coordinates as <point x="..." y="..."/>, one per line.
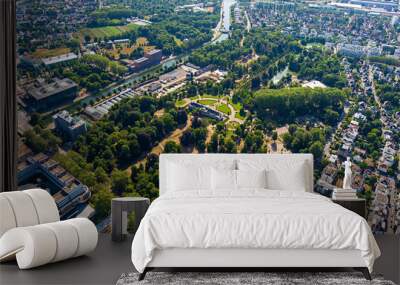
<point x="243" y="278"/>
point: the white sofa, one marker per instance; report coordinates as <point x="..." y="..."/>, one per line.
<point x="31" y="231"/>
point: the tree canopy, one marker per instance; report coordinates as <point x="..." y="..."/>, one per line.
<point x="285" y="105"/>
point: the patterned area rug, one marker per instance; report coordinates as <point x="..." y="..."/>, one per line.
<point x="243" y="278"/>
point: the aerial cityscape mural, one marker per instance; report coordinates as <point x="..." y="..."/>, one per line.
<point x="106" y="86"/>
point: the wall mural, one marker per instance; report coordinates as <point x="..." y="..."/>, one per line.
<point x="105" y="86"/>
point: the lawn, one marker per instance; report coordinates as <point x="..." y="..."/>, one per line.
<point x="207" y="101"/>
<point x="224" y="109"/>
<point x="229" y="134"/>
<point x="43" y="52"/>
<point x="238" y="116"/>
<point x="232" y="125"/>
<point x="142" y="41"/>
<point x="107" y="31"/>
<point x="209" y="96"/>
<point x="148" y="48"/>
<point x="127" y="50"/>
<point x="178" y="42"/>
<point x="180" y="103"/>
<point x="236" y="106"/>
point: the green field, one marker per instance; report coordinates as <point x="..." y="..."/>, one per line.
<point x="238" y="116"/>
<point x="224" y="109"/>
<point x="178" y="42"/>
<point x="180" y="103"/>
<point x="43" y="52"/>
<point x="229" y="134"/>
<point x="207" y="101"/>
<point x="210" y="96"/>
<point x="108" y="31"/>
<point x="232" y="125"/>
<point x="236" y="106"/>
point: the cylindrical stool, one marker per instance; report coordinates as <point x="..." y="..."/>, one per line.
<point x="120" y="207"/>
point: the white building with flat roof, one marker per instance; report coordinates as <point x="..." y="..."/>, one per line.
<point x="49" y="61"/>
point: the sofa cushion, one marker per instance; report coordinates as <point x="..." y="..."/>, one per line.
<point x="23" y="208"/>
<point x="26" y="208"/>
<point x="7" y="220"/>
<point x="45" y="205"/>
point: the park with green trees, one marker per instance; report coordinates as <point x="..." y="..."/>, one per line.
<point x="287" y="104"/>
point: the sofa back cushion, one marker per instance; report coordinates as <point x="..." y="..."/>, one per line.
<point x="26" y="208"/>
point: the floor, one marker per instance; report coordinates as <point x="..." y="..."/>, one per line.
<point x="103" y="266"/>
<point x="110" y="260"/>
<point x="389" y="262"/>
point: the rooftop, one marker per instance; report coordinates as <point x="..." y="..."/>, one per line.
<point x="154" y="51"/>
<point x="42" y="90"/>
<point x="69" y="119"/>
<point x="314" y="84"/>
<point x="142" y="59"/>
<point x="59" y="58"/>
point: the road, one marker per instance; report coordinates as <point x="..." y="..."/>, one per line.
<point x="371" y="80"/>
<point x="232" y="115"/>
<point x="248" y="25"/>
<point x="390" y="217"/>
<point x="174" y="136"/>
<point x="327" y="146"/>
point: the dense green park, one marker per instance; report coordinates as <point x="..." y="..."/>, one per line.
<point x="287" y="104"/>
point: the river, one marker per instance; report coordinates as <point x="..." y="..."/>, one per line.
<point x="224" y="24"/>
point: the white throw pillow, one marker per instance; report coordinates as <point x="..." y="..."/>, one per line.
<point x="223" y="179"/>
<point x="194" y="174"/>
<point x="182" y="177"/>
<point x="251" y="178"/>
<point x="282" y="173"/>
<point x="296" y="180"/>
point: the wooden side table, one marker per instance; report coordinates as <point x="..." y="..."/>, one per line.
<point x="120" y="208"/>
<point x="358" y="206"/>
